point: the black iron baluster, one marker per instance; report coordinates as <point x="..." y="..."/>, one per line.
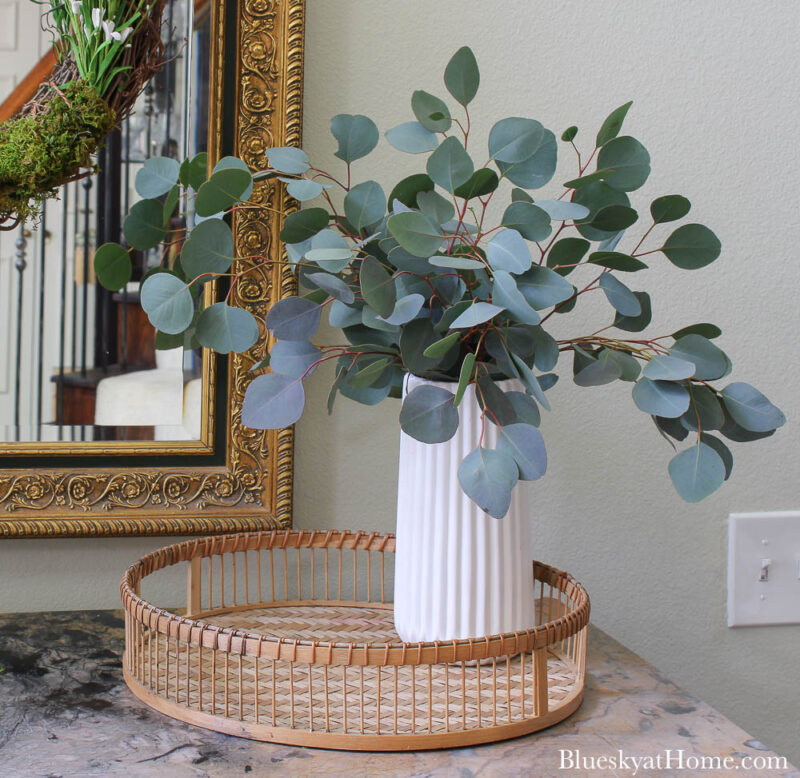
<point x="126" y="201"/>
<point x="40" y="349"/>
<point x="87" y="185"/>
<point x="168" y="83"/>
<point x="62" y="346"/>
<point x="20" y="264"/>
<point x="75" y="229"/>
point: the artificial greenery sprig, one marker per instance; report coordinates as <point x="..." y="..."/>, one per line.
<point x="420" y="282"/>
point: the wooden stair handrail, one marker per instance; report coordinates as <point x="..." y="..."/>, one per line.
<point x="27" y="88"/>
<point x="40" y="72"/>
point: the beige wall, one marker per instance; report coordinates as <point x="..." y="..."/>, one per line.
<point x="713" y="86"/>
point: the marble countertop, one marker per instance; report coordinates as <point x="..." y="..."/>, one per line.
<point x="65" y="711"/>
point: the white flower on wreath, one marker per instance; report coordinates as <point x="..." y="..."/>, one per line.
<point x="97" y="17"/>
<point x="76" y="6"/>
<point x="109" y="31"/>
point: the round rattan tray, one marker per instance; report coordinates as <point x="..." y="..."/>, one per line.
<point x="288" y="637"/>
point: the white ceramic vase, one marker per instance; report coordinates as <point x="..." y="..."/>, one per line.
<point x="459" y="573"/>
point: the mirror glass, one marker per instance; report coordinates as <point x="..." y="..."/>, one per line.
<point x="78" y="362"/>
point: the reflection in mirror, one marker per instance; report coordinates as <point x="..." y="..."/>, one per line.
<point x="81" y="363"/>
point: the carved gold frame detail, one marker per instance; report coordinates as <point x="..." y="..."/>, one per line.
<point x="252" y="490"/>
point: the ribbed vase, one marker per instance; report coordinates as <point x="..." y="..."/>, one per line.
<point x="459" y="573"/>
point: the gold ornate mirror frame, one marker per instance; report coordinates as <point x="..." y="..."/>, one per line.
<point x="102" y="489"/>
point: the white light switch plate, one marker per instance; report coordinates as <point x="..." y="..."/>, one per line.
<point x="763" y="545"/>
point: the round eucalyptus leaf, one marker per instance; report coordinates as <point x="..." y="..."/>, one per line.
<point x="288" y="159"/>
<point x="628" y="365"/>
<point x="520" y="196"/>
<point x="302" y="189"/>
<point x="157" y="176"/>
<point x="543" y="287"/>
<point x="368" y="374"/>
<point x="412" y="137"/>
<point x="415" y="338"/>
<point x="273" y="401"/>
<point x="548" y="381"/>
<point x="301" y="225"/>
<point x="627" y="161"/>
<point x="668" y="368"/>
<point x="476" y="313"/>
<point x="450" y="166"/>
<point x="636" y="323"/>
<point x="377" y="286"/>
<point x="365" y="204"/>
<point x="440" y="347"/>
<point x="405" y="309"/>
<point x="225" y="328"/>
<point x="569" y="134"/>
<point x="738" y="434"/>
<point x="596" y="195"/>
<point x="209" y="249"/>
<point x="705" y="411"/>
<point x="661" y="398"/>
<point x="709" y="331"/>
<point x="424" y="104"/>
<point x="428" y="414"/>
<point x="222" y="190"/>
<point x="525" y="407"/>
<point x="193" y="172"/>
<point x="613" y="218"/>
<point x="709" y="360"/>
<point x="234" y="163"/>
<point x="507" y="250"/>
<point x="436" y="207"/>
<point x="697" y="472"/>
<point x="167" y="302"/>
<point x="613" y="260"/>
<point x="621" y="298"/>
<point x="563" y="210"/>
<point x="144" y="226"/>
<point x="461" y="76"/>
<point x="750" y="409"/>
<point x="406" y="191"/>
<point x="515" y="139"/>
<point x="545" y="356"/>
<point x="333" y="285"/>
<point x="610" y="244"/>
<point x="493" y="401"/>
<point x="416" y="233"/>
<point x="669" y="208"/>
<point x="332" y="259"/>
<point x="525" y="444"/>
<point x="456" y="263"/>
<point x="598" y="371"/>
<point x="357" y="136"/>
<point x="293" y="318"/>
<point x="488" y="477"/>
<point x="692" y="246"/>
<point x="294" y="358"/>
<point x="341" y="315"/>
<point x="482" y="182"/>
<point x="566" y="253"/>
<point x="527" y="219"/>
<point x="112" y="265"/>
<point x="535" y="171"/>
<point x="506" y="294"/>
<point x="613" y="124"/>
<point x="526" y="375"/>
<point x="670" y="428"/>
<point x="724" y="452"/>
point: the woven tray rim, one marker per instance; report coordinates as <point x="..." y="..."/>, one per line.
<point x="201" y="632"/>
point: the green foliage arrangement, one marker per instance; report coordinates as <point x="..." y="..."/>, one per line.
<point x="420" y="282"/>
<point x="107" y="50"/>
